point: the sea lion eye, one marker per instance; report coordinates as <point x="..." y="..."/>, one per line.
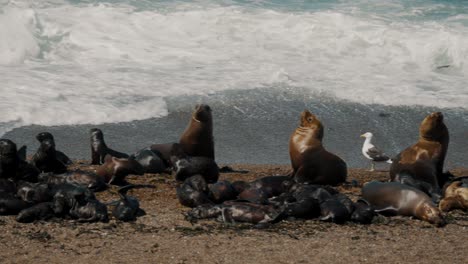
<point x="310" y="119"/>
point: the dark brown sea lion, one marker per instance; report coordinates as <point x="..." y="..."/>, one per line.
<point x="45" y="158"/>
<point x="114" y="170"/>
<point x="363" y="212"/>
<point x="421" y="165"/>
<point x="14" y="167"/>
<point x="394" y="198"/>
<point x="186" y="166"/>
<point x="87" y="179"/>
<point x="310" y="161"/>
<point x="99" y="149"/>
<point x="59" y="154"/>
<point x="234" y="211"/>
<point x="272" y="185"/>
<point x="151" y="162"/>
<point x="197" y="139"/>
<point x="193" y="192"/>
<point x="222" y="191"/>
<point x="128" y="207"/>
<point x="456" y="197"/>
<point x="40" y="211"/>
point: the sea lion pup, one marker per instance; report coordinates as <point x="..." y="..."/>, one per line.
<point x="421" y="165"/>
<point x="45" y="159"/>
<point x="394" y="198"/>
<point x="34" y="193"/>
<point x="193" y="192"/>
<point x="186" y="166"/>
<point x="12" y="166"/>
<point x="222" y="191"/>
<point x="240" y="186"/>
<point x="84" y="178"/>
<point x="254" y="195"/>
<point x="128" y="207"/>
<point x="78" y="203"/>
<point x="11" y="205"/>
<point x="310" y="161"/>
<point x="197" y="139"/>
<point x="99" y="149"/>
<point x="114" y="170"/>
<point x="456" y="197"/>
<point x="150" y="162"/>
<point x="59" y="154"/>
<point x="272" y="185"/>
<point x="235" y="211"/>
<point x="40" y="211"/>
<point x="363" y="212"/>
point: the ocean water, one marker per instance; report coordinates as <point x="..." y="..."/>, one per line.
<point x="137" y="68"/>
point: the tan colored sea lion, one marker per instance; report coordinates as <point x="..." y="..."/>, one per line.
<point x="197" y="139"/>
<point x="114" y="170"/>
<point x="456" y="197"/>
<point x="423" y="162"/>
<point x="310" y="161"/>
<point x="394" y="198"/>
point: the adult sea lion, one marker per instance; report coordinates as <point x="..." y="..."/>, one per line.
<point x="421" y="165"/>
<point x="310" y="161"/>
<point x="394" y="198"/>
<point x="99" y="149"/>
<point x="197" y="139"/>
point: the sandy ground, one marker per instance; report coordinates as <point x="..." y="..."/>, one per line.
<point x="163" y="236"/>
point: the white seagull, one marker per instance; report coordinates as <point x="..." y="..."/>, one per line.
<point x="371" y="152"/>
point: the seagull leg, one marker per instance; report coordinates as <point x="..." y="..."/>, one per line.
<point x="372" y="166"/>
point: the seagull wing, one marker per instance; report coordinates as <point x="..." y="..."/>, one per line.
<point x="376" y="154"/>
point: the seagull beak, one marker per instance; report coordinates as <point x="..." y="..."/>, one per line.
<point x="362" y="135"/>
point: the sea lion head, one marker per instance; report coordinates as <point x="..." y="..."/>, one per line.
<point x="430" y="213"/>
<point x="202" y="113"/>
<point x="7" y="150"/>
<point x="310" y="121"/>
<point x="96" y="133"/>
<point x="433" y="128"/>
<point x="44" y="136"/>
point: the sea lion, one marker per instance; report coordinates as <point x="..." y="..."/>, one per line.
<point x="272" y="185"/>
<point x="240" y="186"/>
<point x="197" y="139"/>
<point x="114" y="170"/>
<point x="421" y="165"/>
<point x="234" y="211"/>
<point x="84" y="178"/>
<point x="306" y="208"/>
<point x="150" y="161"/>
<point x="193" y="192"/>
<point x="45" y="158"/>
<point x="456" y="197"/>
<point x="128" y="208"/>
<point x="254" y="195"/>
<point x="333" y="210"/>
<point x="40" y="211"/>
<point x="363" y="212"/>
<point x="59" y="154"/>
<point x="11" y="205"/>
<point x="12" y="166"/>
<point x="99" y="149"/>
<point x="186" y="166"/>
<point x="34" y="193"/>
<point x="310" y="161"/>
<point x="222" y="191"/>
<point x="394" y="198"/>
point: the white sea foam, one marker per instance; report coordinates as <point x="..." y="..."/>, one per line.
<point x="63" y="63"/>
